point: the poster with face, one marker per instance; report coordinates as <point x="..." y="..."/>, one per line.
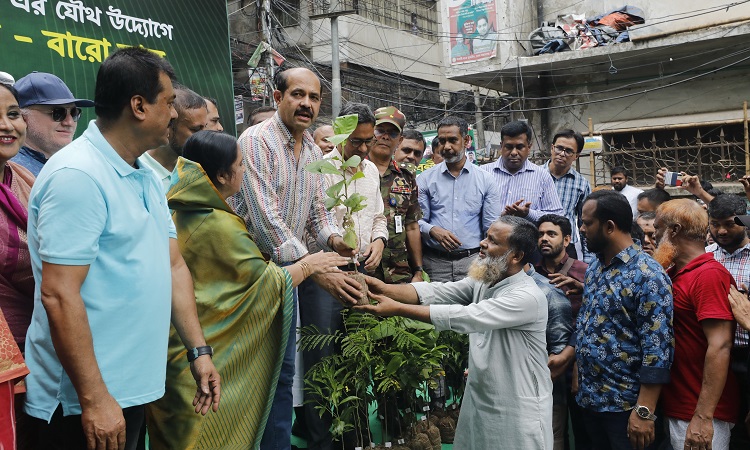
<point x="473" y="35"/>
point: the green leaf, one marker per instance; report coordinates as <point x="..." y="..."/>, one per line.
<point x="357" y="176"/>
<point x="350" y="238"/>
<point x="352" y="162"/>
<point x="336" y="139"/>
<point x="335" y="190"/>
<point x="345" y="124"/>
<point x="359" y="207"/>
<point x="331" y="203"/>
<point x="394" y="365"/>
<point x="355" y="200"/>
<point x="322" y="166"/>
<point x="417" y="325"/>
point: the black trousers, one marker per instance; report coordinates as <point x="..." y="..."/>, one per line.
<point x="66" y="432"/>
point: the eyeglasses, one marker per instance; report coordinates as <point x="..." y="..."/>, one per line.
<point x="564" y="150"/>
<point x="59" y="113"/>
<point x="393" y="134"/>
<point x="358" y="142"/>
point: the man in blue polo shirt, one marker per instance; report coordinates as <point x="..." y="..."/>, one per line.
<point x="109" y="275"/>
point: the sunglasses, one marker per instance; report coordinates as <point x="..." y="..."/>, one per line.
<point x="393" y="134"/>
<point x="59" y="113"/>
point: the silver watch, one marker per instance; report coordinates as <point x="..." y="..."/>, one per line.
<point x="644" y="413"/>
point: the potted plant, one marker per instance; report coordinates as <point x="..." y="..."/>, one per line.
<point x="338" y="194"/>
<point x="379" y="358"/>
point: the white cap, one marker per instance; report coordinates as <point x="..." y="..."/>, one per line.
<point x="7" y="78"/>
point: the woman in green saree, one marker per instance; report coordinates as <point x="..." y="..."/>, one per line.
<point x="244" y="305"/>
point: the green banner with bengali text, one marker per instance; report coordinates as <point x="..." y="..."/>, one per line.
<point x="71" y="39"/>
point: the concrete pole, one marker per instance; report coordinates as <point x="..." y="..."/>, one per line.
<point x="266" y="18"/>
<point x="747" y="138"/>
<point x="479" y="118"/>
<point x="335" y="67"/>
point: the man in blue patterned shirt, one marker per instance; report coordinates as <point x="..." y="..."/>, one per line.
<point x="624" y="342"/>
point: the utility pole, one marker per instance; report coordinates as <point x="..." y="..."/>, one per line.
<point x="335" y="65"/>
<point x="479" y="118"/>
<point x="335" y="10"/>
<point x="265" y="23"/>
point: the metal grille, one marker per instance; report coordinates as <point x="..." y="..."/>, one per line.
<point x="715" y="154"/>
<point x="419" y="17"/>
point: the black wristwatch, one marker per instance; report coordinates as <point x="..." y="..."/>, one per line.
<point x="195" y="352"/>
<point x="644" y="413"/>
<point x="416" y="269"/>
<point x="385" y="241"/>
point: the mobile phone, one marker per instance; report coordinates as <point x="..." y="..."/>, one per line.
<point x="672" y="179"/>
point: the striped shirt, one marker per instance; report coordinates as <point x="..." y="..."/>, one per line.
<point x="531" y="183"/>
<point x="279" y="199"/>
<point x="738" y="264"/>
<point x="572" y="189"/>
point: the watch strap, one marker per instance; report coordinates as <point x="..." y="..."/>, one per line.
<point x="195" y="352"/>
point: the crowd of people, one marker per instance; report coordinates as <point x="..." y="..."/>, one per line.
<point x="155" y="270"/>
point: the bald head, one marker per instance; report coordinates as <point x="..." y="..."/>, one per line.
<point x="282" y="79"/>
<point x="320" y="134"/>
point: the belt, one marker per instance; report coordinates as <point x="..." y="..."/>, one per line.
<point x="455" y="254"/>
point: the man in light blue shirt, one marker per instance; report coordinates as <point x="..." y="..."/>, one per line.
<point x="459" y="202"/>
<point x="528" y="190"/>
<point x="108" y="272"/>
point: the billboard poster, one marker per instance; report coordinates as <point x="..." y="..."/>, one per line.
<point x="473" y="30"/>
<point x="71" y="39"/>
<point x="239" y="110"/>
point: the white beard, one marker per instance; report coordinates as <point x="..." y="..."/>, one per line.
<point x="489" y="270"/>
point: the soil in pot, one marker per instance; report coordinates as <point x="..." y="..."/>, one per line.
<point x="447" y="427"/>
<point x="420" y="441"/>
<point x="360" y="278"/>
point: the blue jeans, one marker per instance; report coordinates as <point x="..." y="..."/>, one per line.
<point x="278" y="432"/>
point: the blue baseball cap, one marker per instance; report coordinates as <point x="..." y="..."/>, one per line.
<point x="39" y="88"/>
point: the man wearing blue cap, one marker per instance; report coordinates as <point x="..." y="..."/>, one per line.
<point x="51" y="113"/>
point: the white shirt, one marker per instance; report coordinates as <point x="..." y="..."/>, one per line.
<point x="508" y="398"/>
<point x="631" y="193"/>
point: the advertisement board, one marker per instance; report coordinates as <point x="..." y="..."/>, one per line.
<point x="473" y="35"/>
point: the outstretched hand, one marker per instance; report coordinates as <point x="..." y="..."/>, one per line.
<point x="383" y="307"/>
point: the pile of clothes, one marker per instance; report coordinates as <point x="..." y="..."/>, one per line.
<point x="575" y="31"/>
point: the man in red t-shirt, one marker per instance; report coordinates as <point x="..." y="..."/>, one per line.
<point x="702" y="400"/>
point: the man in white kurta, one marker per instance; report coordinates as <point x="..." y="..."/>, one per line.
<point x="508" y="398"/>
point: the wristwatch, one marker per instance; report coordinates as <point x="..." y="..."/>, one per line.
<point x="416" y="269"/>
<point x="195" y="352"/>
<point x="644" y="413"/>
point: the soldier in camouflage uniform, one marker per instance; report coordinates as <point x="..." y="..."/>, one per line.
<point x="402" y="256"/>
